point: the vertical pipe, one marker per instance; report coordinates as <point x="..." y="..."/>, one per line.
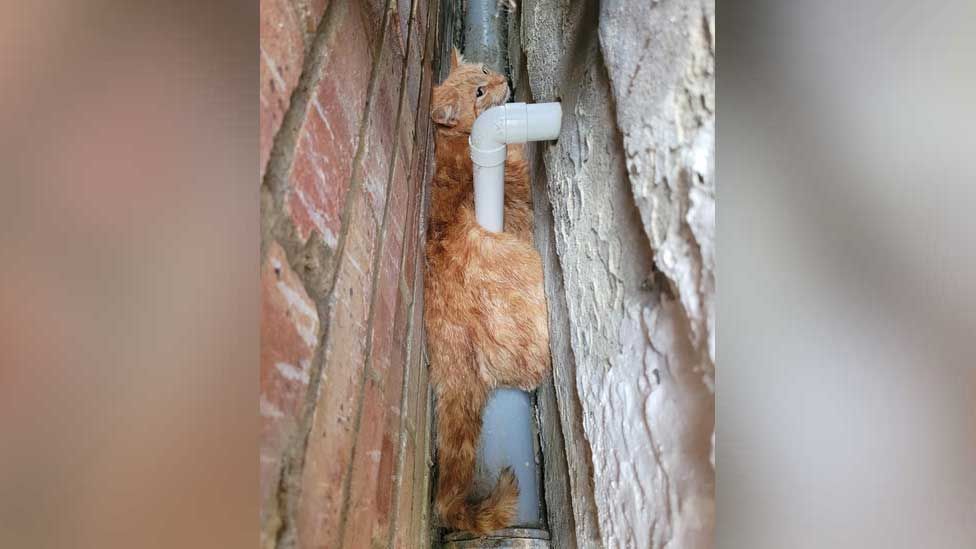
<point x="485" y="34"/>
<point x="489" y="199"/>
<point x="508" y="429"/>
<point x="508" y="435"/>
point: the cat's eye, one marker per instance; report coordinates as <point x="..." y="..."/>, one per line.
<point x="480" y="91"/>
<point x="484" y="69"/>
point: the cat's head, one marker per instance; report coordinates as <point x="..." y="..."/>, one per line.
<point x="469" y="90"/>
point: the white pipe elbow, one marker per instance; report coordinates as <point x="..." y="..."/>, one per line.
<point x="512" y="123"/>
<point x="493" y="129"/>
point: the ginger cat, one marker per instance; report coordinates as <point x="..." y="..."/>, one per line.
<point x="485" y="310"/>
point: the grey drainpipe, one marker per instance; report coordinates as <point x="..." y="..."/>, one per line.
<point x="485" y="34"/>
<point x="508" y="435"/>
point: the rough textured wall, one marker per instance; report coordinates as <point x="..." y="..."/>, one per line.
<point x="629" y="260"/>
<point x="345" y="151"/>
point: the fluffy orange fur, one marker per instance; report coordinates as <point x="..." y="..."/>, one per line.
<point x="485" y="310"/>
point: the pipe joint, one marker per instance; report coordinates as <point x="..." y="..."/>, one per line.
<point x="492" y="130"/>
<point x="515" y="123"/>
<point x="487" y="158"/>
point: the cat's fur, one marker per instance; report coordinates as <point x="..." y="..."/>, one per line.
<point x="485" y="310"/>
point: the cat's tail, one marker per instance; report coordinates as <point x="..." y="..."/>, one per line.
<point x="458" y="428"/>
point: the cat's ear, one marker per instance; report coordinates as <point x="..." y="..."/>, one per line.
<point x="445" y="106"/>
<point x="456" y="58"/>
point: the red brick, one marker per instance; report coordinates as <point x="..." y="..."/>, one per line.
<point x="417" y="90"/>
<point x="423" y="122"/>
<point x="413" y="515"/>
<point x="419" y="411"/>
<point x="382" y="124"/>
<point x="407" y="352"/>
<point x="398" y="206"/>
<point x="430" y="50"/>
<point x="311" y="12"/>
<point x="373" y="12"/>
<point x="405" y="498"/>
<point x="422" y="15"/>
<point x="409" y="95"/>
<point x="402" y="20"/>
<point x="282" y="52"/>
<point x="289" y="337"/>
<point x="413" y="244"/>
<point x="413" y="239"/>
<point x="371" y="489"/>
<point x="329" y="136"/>
<point x="398" y="357"/>
<point x="419" y="182"/>
<point x="413" y="83"/>
<point x="396" y="228"/>
<point x="416" y="144"/>
<point x="329" y="450"/>
<point x="418" y="44"/>
<point x="414" y="467"/>
<point x="319" y="191"/>
<point x="407" y="475"/>
<point x="373" y="480"/>
<point x="388" y="324"/>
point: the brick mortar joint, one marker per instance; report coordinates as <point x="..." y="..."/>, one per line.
<point x="288" y="490"/>
<point x="381" y="248"/>
<point x="302" y="255"/>
<point x="278" y="226"/>
<point x="378" y="254"/>
<point x="410" y="356"/>
<point x="280" y="527"/>
<point x="356" y="177"/>
<point x="285" y="140"/>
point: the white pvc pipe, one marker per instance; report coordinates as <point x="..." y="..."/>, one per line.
<point x="508" y="425"/>
<point x="495" y="128"/>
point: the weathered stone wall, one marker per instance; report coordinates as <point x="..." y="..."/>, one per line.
<point x="625" y="222"/>
<point x="345" y="150"/>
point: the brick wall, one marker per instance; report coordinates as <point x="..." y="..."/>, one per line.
<point x="346" y="149"/>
